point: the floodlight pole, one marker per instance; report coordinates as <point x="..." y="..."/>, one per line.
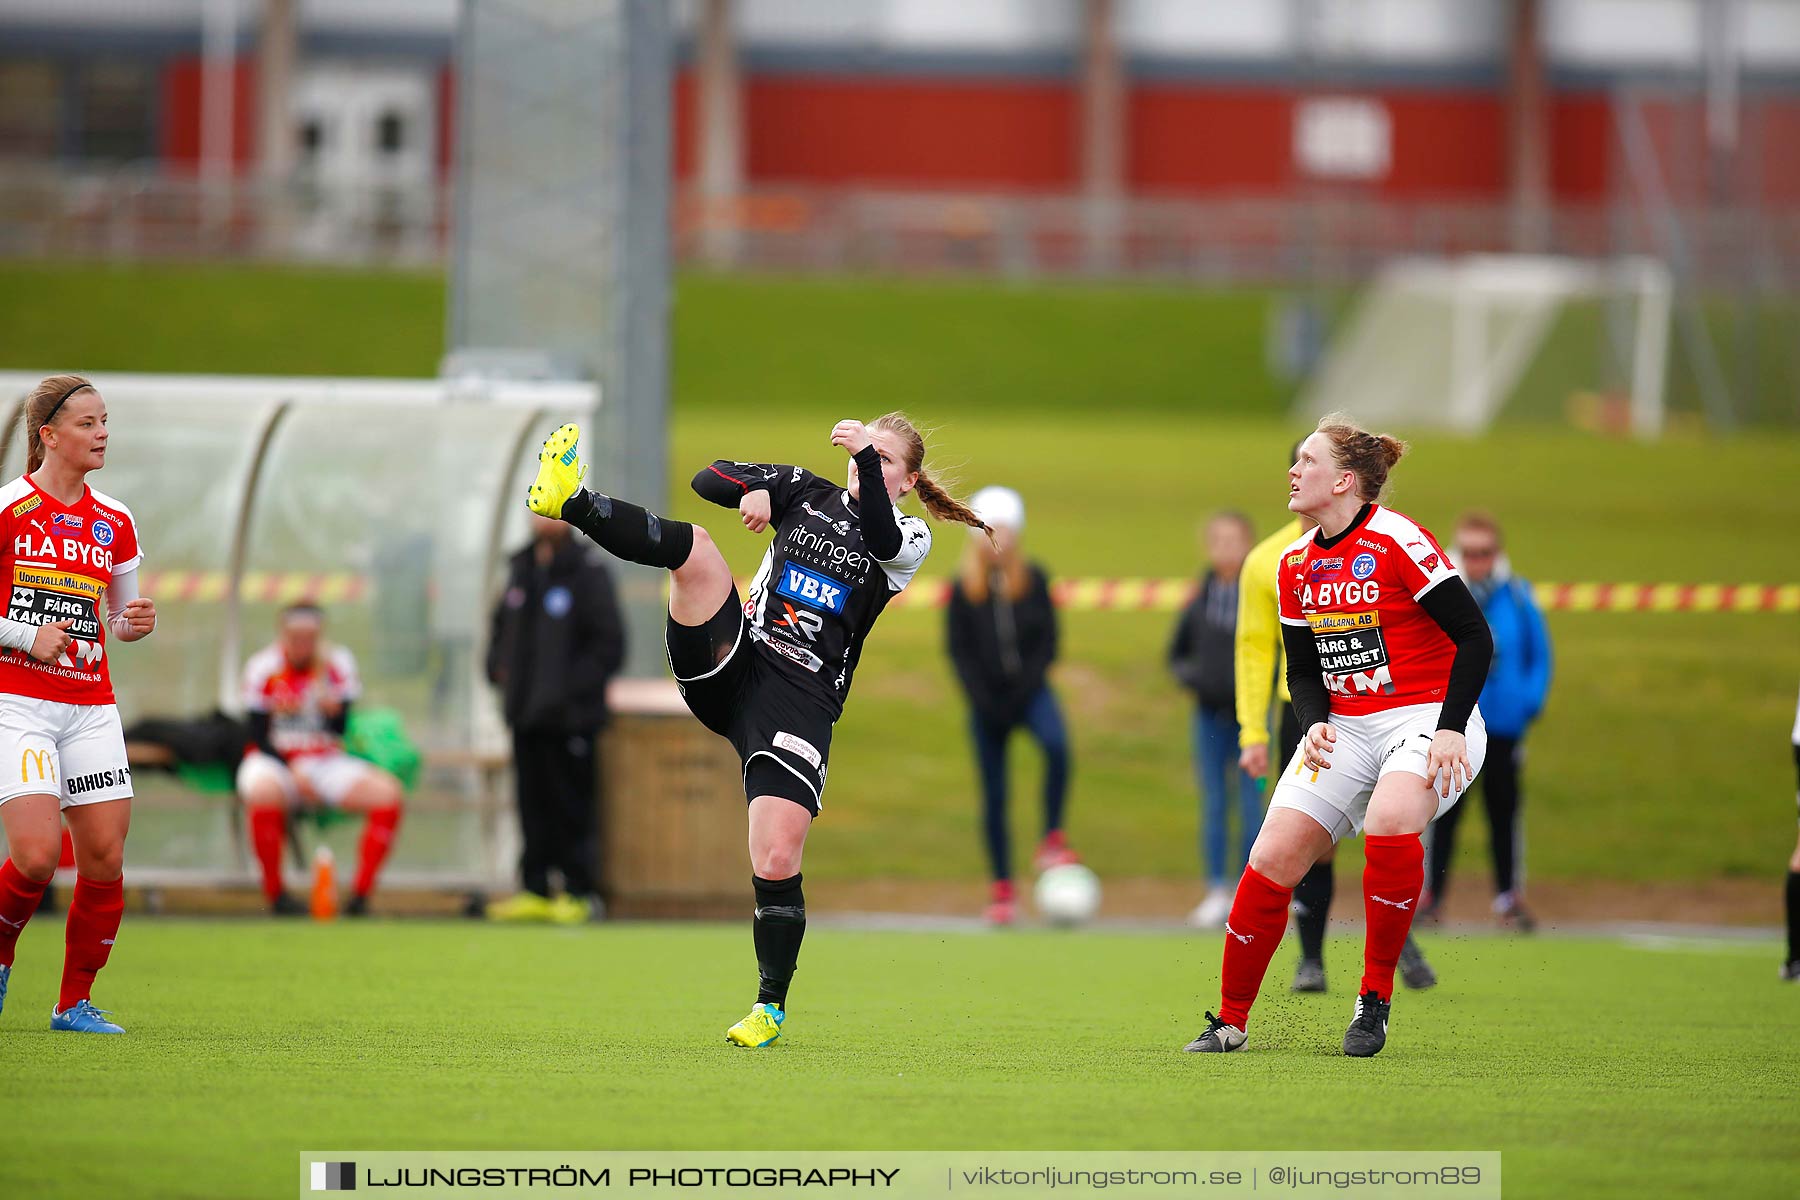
<point x="560" y="244"/>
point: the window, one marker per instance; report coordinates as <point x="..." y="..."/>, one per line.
<point x="115" y="111"/>
<point x="30" y="109"/>
<point x="390" y="132"/>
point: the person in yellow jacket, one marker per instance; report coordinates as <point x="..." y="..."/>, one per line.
<point x="1261" y="677"/>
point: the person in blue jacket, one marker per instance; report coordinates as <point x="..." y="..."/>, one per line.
<point x="1514" y="694"/>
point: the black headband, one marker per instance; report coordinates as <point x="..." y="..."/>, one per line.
<point x="55" y="408"/>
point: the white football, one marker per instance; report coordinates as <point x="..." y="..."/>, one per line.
<point x="1068" y="895"/>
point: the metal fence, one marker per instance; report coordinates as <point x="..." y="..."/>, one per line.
<point x="135" y="213"/>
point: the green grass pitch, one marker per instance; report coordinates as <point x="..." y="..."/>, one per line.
<point x="1597" y="1067"/>
<point x="1125" y="414"/>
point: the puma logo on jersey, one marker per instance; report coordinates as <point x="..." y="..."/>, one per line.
<point x="1402" y="905"/>
<point x="1245" y="938"/>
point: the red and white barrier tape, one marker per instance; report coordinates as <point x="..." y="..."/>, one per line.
<point x="1074" y="595"/>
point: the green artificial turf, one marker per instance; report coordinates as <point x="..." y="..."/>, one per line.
<point x="1597" y="1068"/>
<point x="1125" y="415"/>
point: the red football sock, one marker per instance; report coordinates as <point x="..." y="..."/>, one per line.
<point x="19" y="898"/>
<point x="94" y="912"/>
<point x="1258" y="918"/>
<point x="1392" y="880"/>
<point x="377" y="840"/>
<point x="268" y="826"/>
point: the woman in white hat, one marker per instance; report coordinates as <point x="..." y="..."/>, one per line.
<point x="1002" y="632"/>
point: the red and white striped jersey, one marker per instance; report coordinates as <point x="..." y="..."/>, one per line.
<point x="300" y="700"/>
<point x="58" y="561"/>
<point x="1359" y="594"/>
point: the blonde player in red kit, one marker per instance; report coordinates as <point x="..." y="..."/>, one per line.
<point x="1387" y="652"/>
<point x="65" y="548"/>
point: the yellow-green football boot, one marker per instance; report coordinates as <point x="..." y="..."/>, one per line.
<point x="560" y="472"/>
<point x="570" y="910"/>
<point x="526" y="906"/>
<point x="760" y="1028"/>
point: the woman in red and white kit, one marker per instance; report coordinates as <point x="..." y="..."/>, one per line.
<point x="65" y="548"/>
<point x="1387" y="652"/>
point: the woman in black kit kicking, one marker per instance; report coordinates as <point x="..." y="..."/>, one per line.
<point x="770" y="674"/>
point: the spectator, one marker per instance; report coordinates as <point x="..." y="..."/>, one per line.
<point x="555" y="641"/>
<point x="297" y="697"/>
<point x="1002" y="630"/>
<point x="1510" y="701"/>
<point x="1202" y="658"/>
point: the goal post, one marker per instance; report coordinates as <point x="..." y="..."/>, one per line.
<point x="1453" y="343"/>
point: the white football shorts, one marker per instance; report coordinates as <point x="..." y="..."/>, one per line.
<point x="332" y="775"/>
<point x="72" y="751"/>
<point x="1369" y="747"/>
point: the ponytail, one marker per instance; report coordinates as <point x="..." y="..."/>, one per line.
<point x="942" y="506"/>
<point x="939" y="504"/>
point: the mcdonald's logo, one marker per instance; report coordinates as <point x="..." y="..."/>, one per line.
<point x="46" y="765"/>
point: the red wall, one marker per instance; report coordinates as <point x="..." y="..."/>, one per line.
<point x="911" y="133"/>
<point x="1777" y="120"/>
<point x="181" y="112"/>
<point x="446" y="122"/>
<point x="1446" y="144"/>
<point x="1580" y="147"/>
<point x="1193" y="140"/>
<point x="1182" y="138"/>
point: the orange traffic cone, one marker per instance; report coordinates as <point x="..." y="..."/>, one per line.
<point x="324" y="888"/>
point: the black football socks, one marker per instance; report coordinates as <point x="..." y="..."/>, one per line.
<point x="1312" y="908"/>
<point x="780" y="925"/>
<point x="628" y="531"/>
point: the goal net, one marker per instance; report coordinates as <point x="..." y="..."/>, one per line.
<point x="1455" y="344"/>
<point x="393" y="504"/>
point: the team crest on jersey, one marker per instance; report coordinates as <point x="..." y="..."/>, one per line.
<point x="1362" y="566"/>
<point x="103" y="532"/>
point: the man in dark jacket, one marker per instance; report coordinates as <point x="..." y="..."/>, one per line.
<point x="1201" y="656"/>
<point x="556" y="639"/>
